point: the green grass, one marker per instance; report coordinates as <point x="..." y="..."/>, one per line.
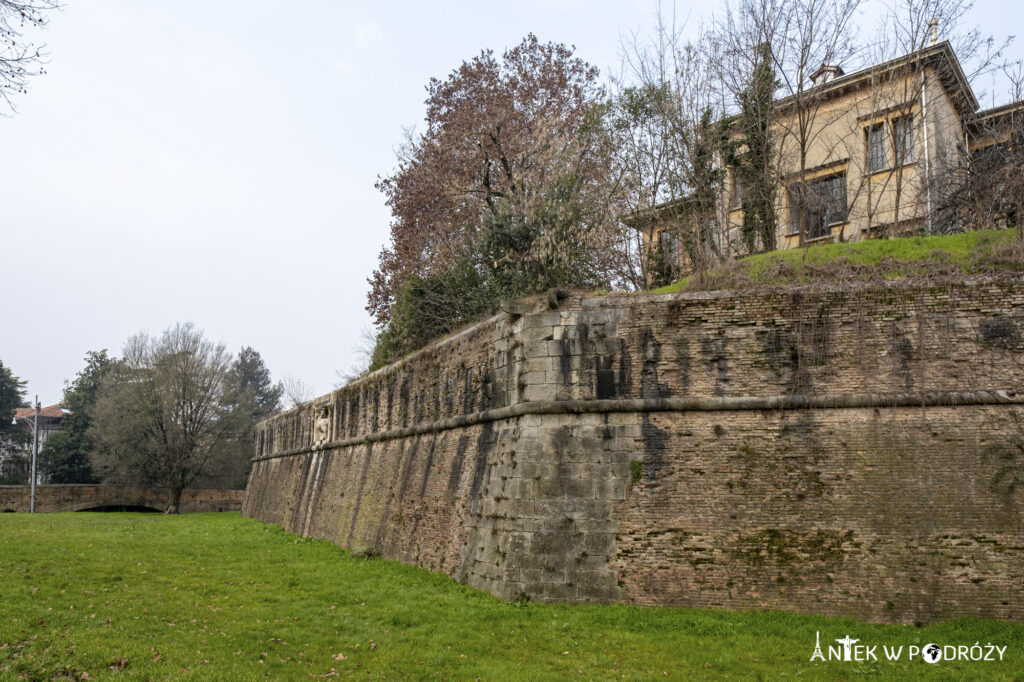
<point x="217" y="596"/>
<point x="982" y="252"/>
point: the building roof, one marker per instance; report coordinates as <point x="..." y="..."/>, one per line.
<point x="826" y="69"/>
<point x="940" y="55"/>
<point x="657" y="213"/>
<point x="997" y="114"/>
<point x="57" y="411"/>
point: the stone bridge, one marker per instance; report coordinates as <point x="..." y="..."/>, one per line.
<point x="63" y="498"/>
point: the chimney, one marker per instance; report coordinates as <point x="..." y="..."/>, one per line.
<point x="933" y="31"/>
<point x="826" y="73"/>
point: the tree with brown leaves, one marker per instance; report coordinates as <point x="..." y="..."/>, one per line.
<point x="513" y="175"/>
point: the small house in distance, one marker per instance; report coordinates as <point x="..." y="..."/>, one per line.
<point x="14" y="464"/>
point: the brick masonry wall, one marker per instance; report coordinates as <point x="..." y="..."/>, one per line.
<point x="855" y="451"/>
<point x="425" y="498"/>
<point x="64" y="498"/>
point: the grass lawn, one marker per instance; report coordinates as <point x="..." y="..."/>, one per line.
<point x="983" y="252"/>
<point x="220" y="597"/>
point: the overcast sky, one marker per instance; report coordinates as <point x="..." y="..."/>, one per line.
<point x="215" y="162"/>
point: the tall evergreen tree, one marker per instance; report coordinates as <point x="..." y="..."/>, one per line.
<point x="64" y="457"/>
<point x="250" y="391"/>
<point x="705" y="177"/>
<point x="753" y="156"/>
<point x="250" y="377"/>
<point x="12" y="437"/>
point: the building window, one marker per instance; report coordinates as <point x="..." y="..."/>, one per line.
<point x="668" y="245"/>
<point x="737" y="193"/>
<point x="875" y="138"/>
<point x="903" y="139"/>
<point x="823" y="205"/>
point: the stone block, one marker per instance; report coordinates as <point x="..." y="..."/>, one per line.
<point x="538" y="392"/>
<point x="551" y="318"/>
<point x="598" y="594"/>
<point x="599" y="543"/>
<point x="611" y="488"/>
<point x="539" y="349"/>
<point x="588" y="581"/>
<point x="549" y="566"/>
<point x="536" y="364"/>
<point x="558" y="592"/>
<point x="533" y="378"/>
<point x="554" y="486"/>
<point x="556" y="544"/>
<point x="537" y="333"/>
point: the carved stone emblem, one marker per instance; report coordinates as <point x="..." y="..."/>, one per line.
<point x="321" y="426"/>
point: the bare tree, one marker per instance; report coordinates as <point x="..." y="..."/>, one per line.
<point x="296" y="391"/>
<point x="20" y="59"/>
<point x="911" y="25"/>
<point x="363" y="348"/>
<point x="668" y="122"/>
<point x="164" y="414"/>
<point x="743" y="38"/>
<point x="801" y="37"/>
<point x="938" y="184"/>
<point x="986" y="189"/>
<point x="644" y="124"/>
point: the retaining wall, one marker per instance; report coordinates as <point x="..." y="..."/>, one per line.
<point x="854" y="451"/>
<point x="81" y="497"/>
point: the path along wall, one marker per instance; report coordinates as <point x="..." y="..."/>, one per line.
<point x="854" y="451"/>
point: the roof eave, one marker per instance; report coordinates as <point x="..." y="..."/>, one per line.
<point x="966" y="101"/>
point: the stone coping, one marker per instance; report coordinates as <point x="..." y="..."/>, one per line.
<point x="702" y="404"/>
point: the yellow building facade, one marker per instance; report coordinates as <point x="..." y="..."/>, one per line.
<point x="857" y="155"/>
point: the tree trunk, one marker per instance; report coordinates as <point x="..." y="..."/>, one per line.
<point x="173" y="500"/>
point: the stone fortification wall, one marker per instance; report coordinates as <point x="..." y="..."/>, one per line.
<point x="855" y="451"/>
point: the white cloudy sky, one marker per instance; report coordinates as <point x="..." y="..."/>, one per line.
<point x="214" y="161"/>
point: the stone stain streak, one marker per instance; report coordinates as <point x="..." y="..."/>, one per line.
<point x="455" y="474"/>
<point x="1000" y="332"/>
<point x="903" y="355"/>
<point x="428" y="466"/>
<point x="713" y="349"/>
<point x="683" y="365"/>
<point x="654" y="438"/>
<point x="651" y="350"/>
<point x="867" y="508"/>
<point x="360" y="492"/>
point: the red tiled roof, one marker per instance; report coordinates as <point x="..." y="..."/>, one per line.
<point x="54" y="411"/>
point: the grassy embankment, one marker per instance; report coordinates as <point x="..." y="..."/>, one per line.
<point x="987" y="252"/>
<point x="216" y="596"/>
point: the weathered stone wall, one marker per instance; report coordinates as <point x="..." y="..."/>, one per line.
<point x="854" y="451"/>
<point x="64" y="498"/>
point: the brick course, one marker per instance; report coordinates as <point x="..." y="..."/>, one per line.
<point x="77" y="497"/>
